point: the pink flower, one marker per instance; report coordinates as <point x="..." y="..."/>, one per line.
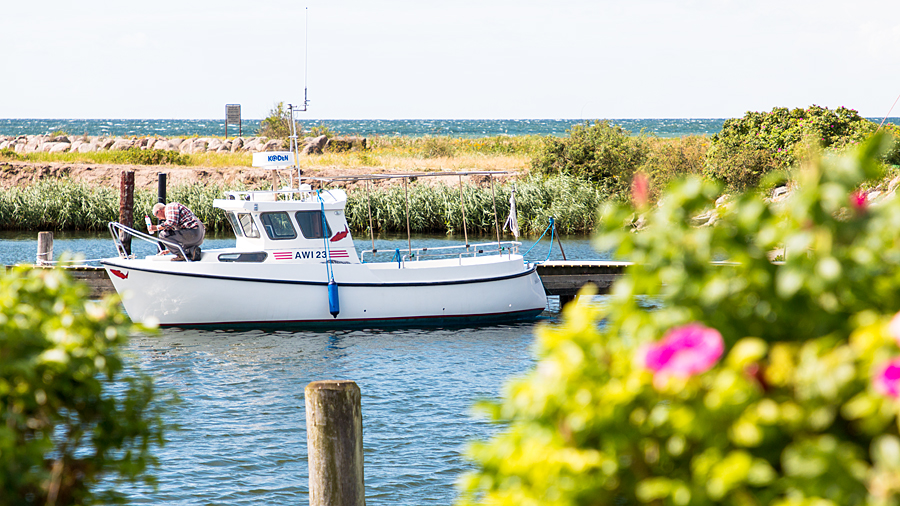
<point x="887" y="379"/>
<point x="894" y="328"/>
<point x="640" y="190"/>
<point x="858" y="200"/>
<point x="683" y="352"/>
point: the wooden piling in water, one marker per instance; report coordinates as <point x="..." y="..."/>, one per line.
<point x="126" y="205"/>
<point x="44" y="248"/>
<point x="334" y="441"/>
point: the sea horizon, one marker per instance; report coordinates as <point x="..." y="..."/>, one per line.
<point x="661" y="127"/>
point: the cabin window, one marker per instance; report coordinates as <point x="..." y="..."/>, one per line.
<point x="243" y="257"/>
<point x="311" y="224"/>
<point x="278" y="225"/>
<point x="247" y="225"/>
<point x="233" y="221"/>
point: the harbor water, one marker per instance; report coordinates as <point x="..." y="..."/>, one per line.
<point x="239" y="435"/>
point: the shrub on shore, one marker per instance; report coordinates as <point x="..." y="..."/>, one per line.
<point x="8" y="154"/>
<point x="748" y="148"/>
<point x="669" y="159"/>
<point x="739" y="156"/>
<point x="602" y="153"/>
<point x="277" y="125"/>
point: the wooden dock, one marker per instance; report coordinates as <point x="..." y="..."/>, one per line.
<point x="564" y="278"/>
<point x="95" y="277"/>
<point x="560" y="278"/>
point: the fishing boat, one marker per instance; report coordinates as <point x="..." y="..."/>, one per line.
<point x="295" y="264"/>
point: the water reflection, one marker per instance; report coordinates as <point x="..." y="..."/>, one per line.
<point x="241" y="435"/>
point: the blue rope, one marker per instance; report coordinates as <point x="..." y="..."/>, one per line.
<point x="325" y="237"/>
<point x="550" y="227"/>
<point x="552" y="231"/>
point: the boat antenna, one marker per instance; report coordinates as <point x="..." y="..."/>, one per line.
<point x="306" y="61"/>
<point x="294" y="145"/>
<point x="888" y="114"/>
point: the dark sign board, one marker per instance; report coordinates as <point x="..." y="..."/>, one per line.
<point x="233" y="117"/>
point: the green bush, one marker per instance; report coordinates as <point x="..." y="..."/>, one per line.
<point x="76" y="419"/>
<point x="704" y="382"/>
<point x="9" y="154"/>
<point x="137" y="156"/>
<point x="761" y="142"/>
<point x="669" y="159"/>
<point x="437" y="147"/>
<point x="599" y="152"/>
<point x="277" y="125"/>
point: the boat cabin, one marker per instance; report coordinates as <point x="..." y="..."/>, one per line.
<point x="288" y="226"/>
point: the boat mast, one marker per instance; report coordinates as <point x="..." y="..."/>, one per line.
<point x="294" y="147"/>
<point x="408" y="233"/>
<point x="462" y="202"/>
<point x="496" y="222"/>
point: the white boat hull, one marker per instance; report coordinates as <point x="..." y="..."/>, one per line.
<point x="434" y="292"/>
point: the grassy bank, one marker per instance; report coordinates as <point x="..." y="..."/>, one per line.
<point x="403" y="153"/>
<point x="74" y="205"/>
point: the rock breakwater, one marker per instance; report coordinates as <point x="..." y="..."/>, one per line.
<point x="25" y="144"/>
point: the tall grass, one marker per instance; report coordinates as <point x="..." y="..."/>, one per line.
<point x="74" y="205"/>
<point x="61" y="204"/>
<point x="437" y="208"/>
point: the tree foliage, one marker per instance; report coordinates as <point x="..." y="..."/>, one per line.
<point x="797" y="405"/>
<point x="761" y="142"/>
<point x="600" y="152"/>
<point x="277" y="124"/>
<point x="74" y="415"/>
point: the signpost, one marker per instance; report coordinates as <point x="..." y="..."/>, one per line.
<point x="233" y="117"/>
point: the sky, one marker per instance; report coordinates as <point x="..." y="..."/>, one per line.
<point x="461" y="59"/>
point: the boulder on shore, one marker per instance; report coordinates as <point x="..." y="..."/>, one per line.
<point x="314" y="145"/>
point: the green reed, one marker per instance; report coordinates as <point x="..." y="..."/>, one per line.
<point x="74" y="205"/>
<point x="63" y="204"/>
<point x="438" y="208"/>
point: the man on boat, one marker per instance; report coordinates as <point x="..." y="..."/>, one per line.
<point x="179" y="225"/>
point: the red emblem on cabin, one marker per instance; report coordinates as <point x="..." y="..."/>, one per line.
<point x="283" y="255"/>
<point x="340" y="235"/>
<point x="339" y="253"/>
<point x="118" y="273"/>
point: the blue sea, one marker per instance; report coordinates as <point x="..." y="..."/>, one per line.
<point x="365" y="127"/>
<point x="661" y="127"/>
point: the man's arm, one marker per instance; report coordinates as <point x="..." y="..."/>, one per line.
<point x="171" y="218"/>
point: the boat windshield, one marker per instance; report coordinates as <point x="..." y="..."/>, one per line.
<point x="311" y="224"/>
<point x="232" y="220"/>
<point x="247" y="225"/>
<point x="278" y="225"/>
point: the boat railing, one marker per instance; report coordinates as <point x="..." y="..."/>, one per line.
<point x="119" y="232"/>
<point x="271" y="195"/>
<point x="441" y="252"/>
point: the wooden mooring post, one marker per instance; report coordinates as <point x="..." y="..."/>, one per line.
<point x="334" y="443"/>
<point x="126" y="205"/>
<point x="44" y="248"/>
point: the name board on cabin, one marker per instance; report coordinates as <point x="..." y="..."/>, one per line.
<point x="273" y="159"/>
